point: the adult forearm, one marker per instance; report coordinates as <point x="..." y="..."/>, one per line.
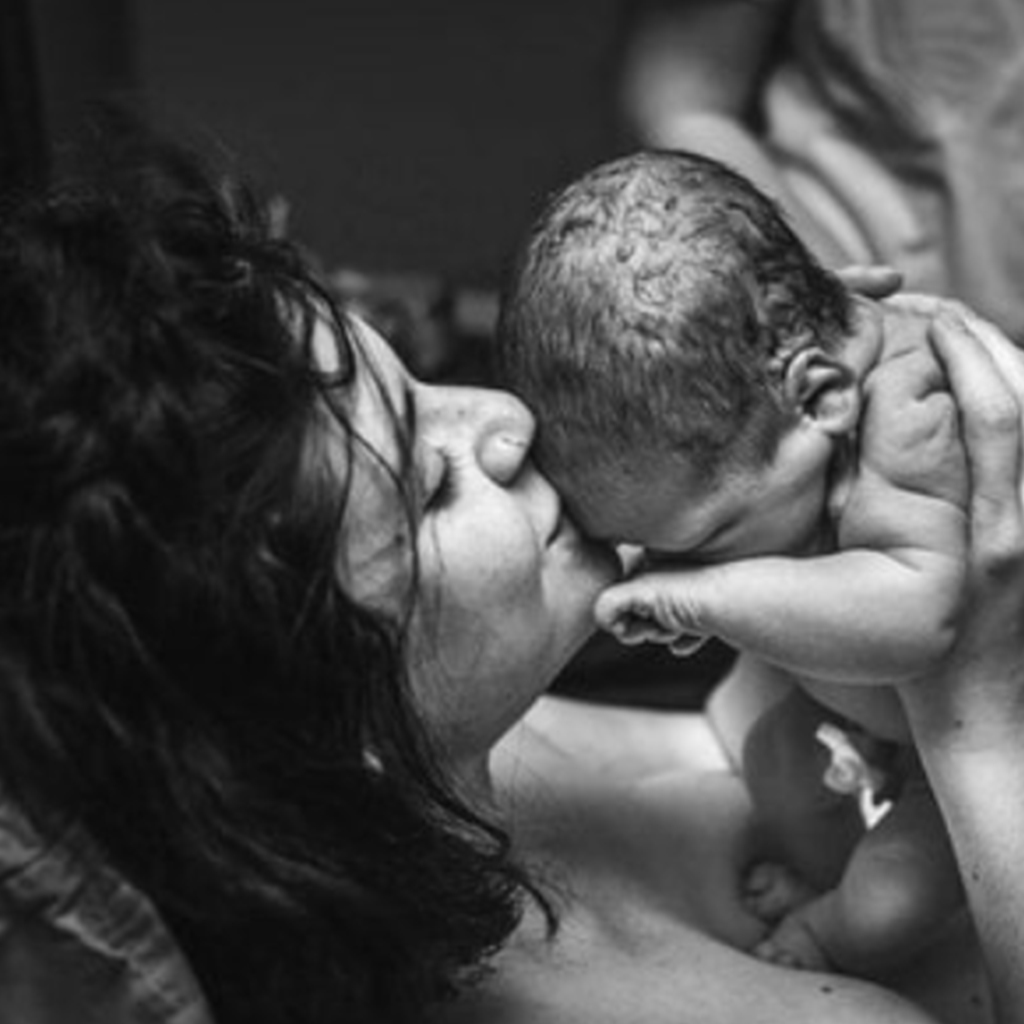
<point x="968" y="718"/>
<point x="981" y="794"/>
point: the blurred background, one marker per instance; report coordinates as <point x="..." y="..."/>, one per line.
<point x="407" y="134"/>
<point x="412" y="141"/>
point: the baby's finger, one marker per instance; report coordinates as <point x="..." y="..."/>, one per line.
<point x="686" y="645"/>
<point x="631" y="629"/>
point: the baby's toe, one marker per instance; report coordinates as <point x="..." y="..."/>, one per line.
<point x="793" y="944"/>
<point x="772" y="953"/>
<point x="772" y="890"/>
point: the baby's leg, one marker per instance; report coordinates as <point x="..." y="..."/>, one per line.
<point x="900" y="886"/>
<point x="809" y="828"/>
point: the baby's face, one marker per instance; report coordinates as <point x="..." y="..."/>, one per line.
<point x="775" y="509"/>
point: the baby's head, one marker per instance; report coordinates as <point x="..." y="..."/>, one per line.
<point x="671" y="332"/>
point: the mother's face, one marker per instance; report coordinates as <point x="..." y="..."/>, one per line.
<point x="506" y="583"/>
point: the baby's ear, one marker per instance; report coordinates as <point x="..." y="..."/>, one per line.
<point x="818" y="386"/>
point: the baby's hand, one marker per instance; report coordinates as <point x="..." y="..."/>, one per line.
<point x="654" y="607"/>
<point x="639" y="627"/>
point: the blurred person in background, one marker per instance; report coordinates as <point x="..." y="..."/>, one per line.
<point x="891" y="130"/>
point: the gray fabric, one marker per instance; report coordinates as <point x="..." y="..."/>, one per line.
<point x="79" y="945"/>
<point x="902" y="121"/>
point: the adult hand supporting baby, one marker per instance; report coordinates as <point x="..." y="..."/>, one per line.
<point x="968" y="719"/>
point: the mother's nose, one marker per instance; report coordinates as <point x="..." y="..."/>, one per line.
<point x="506" y="433"/>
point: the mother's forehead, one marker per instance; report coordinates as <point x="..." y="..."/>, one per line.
<point x="368" y="346"/>
<point x="376" y="397"/>
<point x="373" y="553"/>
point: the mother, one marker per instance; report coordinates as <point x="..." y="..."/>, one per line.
<point x="271" y="616"/>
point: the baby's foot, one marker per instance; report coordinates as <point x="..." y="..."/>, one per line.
<point x="771" y="891"/>
<point x="793" y="944"/>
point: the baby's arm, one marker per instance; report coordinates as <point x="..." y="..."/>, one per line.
<point x="851" y="617"/>
<point x="882" y="607"/>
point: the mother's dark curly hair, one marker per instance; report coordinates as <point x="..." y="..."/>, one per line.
<point x="180" y="670"/>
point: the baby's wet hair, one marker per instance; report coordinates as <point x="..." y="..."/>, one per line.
<point x="652" y="305"/>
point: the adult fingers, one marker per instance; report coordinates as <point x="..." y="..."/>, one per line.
<point x="873" y="282"/>
<point x="1007" y="357"/>
<point x="991" y="425"/>
<point x="926" y="305"/>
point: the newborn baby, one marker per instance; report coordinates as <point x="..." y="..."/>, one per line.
<point x="780" y="449"/>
